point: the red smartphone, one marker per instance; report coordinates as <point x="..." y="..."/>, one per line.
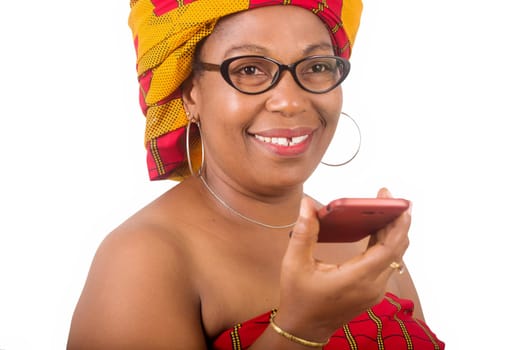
<point x="351" y="219"/>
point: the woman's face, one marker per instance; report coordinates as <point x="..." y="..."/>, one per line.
<point x="246" y="137"/>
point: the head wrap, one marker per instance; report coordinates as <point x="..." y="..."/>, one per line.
<point x="166" y="33"/>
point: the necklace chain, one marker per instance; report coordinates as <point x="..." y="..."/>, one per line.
<point x="227" y="206"/>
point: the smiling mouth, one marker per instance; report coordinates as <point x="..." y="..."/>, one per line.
<point x="283" y="141"/>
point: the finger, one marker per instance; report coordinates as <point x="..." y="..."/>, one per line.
<point x="305" y="234"/>
<point x="388" y="245"/>
<point x="402" y="222"/>
<point x="396" y="232"/>
<point x="384" y="193"/>
<point x="374" y="261"/>
<point x="384" y="277"/>
<point x="374" y="238"/>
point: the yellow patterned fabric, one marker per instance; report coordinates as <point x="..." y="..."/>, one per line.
<point x="166" y="33"/>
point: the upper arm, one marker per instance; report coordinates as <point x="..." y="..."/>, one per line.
<point x="138" y="294"/>
<point x="405" y="288"/>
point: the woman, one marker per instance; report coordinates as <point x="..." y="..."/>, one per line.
<point x="212" y="263"/>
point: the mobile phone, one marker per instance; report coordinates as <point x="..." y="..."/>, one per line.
<point x="351" y="219"/>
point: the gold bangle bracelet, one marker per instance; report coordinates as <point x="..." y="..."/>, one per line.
<point x="292" y="337"/>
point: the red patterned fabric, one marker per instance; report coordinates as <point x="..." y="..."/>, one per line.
<point x="388" y="325"/>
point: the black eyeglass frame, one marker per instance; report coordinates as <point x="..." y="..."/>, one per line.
<point x="223" y="68"/>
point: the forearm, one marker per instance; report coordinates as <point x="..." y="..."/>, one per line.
<point x="292" y="335"/>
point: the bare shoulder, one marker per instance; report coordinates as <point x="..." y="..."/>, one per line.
<point x="139" y="292"/>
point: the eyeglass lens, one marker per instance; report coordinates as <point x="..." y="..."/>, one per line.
<point x="255" y="74"/>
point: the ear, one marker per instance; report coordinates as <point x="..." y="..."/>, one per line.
<point x="190" y="96"/>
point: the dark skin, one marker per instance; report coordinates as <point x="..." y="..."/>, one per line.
<point x="184" y="268"/>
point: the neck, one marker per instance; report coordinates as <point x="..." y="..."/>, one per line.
<point x="263" y="210"/>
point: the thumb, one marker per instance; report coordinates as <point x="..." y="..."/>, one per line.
<point x="304" y="235"/>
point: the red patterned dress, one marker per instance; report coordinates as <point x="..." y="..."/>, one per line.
<point x="388" y="325"/>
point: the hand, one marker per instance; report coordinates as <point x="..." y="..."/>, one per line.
<point x="317" y="298"/>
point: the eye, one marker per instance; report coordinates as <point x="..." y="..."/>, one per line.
<point x="318" y="68"/>
<point x="325" y="66"/>
<point x="250" y="67"/>
<point x="249" y="70"/>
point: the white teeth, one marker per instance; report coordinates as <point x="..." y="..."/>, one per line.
<point x="298" y="139"/>
<point x="279" y="141"/>
<point x="282" y="141"/>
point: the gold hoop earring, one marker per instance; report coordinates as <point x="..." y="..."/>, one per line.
<point x="357" y="147"/>
<point x="191" y="121"/>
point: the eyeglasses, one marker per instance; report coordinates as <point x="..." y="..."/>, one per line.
<point x="257" y="74"/>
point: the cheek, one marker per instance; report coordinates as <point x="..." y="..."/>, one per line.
<point x="330" y="107"/>
<point x="332" y="126"/>
<point x="219" y="100"/>
<point x="224" y="117"/>
<point x="329" y="132"/>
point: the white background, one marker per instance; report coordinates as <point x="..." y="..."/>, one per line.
<point x="437" y="88"/>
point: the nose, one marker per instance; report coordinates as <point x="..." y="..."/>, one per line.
<point x="287" y="97"/>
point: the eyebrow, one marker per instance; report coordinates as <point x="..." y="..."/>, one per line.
<point x="264" y="51"/>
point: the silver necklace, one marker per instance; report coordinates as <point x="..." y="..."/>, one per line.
<point x="227" y="206"/>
